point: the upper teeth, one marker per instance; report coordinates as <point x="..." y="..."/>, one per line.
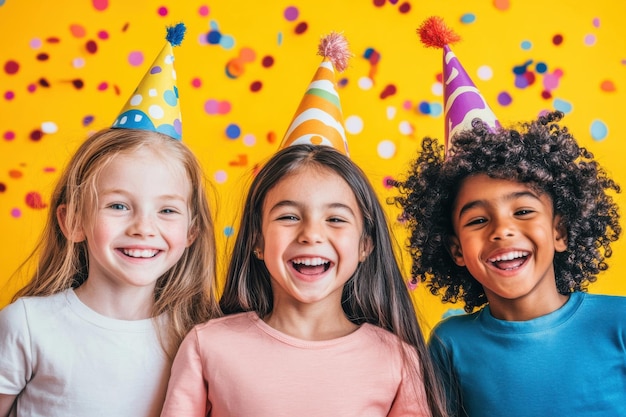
<point x="509" y="256"/>
<point x="309" y="261"/>
<point x="140" y="253"/>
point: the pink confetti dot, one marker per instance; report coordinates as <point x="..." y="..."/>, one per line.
<point x="16" y="213"/>
<point x="103" y="86"/>
<point x="35" y="43"/>
<point x="590" y="39"/>
<point x="103" y="35"/>
<point x="291" y="13"/>
<point x="224" y="107"/>
<point x="100" y="5"/>
<point x="31" y="88"/>
<point x="162" y="11"/>
<point x="211" y="107"/>
<point x="203" y="10"/>
<point x="9" y="135"/>
<point x="135" y="58"/>
<point x="596" y="22"/>
<point x="9" y="95"/>
<point x="501" y="4"/>
<point x="196" y="82"/>
<point x="407" y="105"/>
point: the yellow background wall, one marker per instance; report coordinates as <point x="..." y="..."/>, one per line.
<point x="68" y="66"/>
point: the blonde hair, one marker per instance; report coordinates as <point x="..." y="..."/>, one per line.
<point x="186" y="292"/>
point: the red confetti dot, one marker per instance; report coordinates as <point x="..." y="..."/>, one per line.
<point x="36" y="135"/>
<point x="389" y="90"/>
<point x="557" y="39"/>
<point x="162" y="11"/>
<point x="301" y="28"/>
<point x="545" y="94"/>
<point x="100" y="5"/>
<point x="404" y="8"/>
<point x="34" y="200"/>
<point x="78" y="83"/>
<point x="439" y="77"/>
<point x="379" y="3"/>
<point x="44" y="83"/>
<point x="53" y="39"/>
<point x="43" y="56"/>
<point x="92" y="46"/>
<point x="530" y="77"/>
<point x="3" y="187"/>
<point x="256" y="86"/>
<point x="267" y="61"/>
<point x="11" y="67"/>
<point x="78" y="31"/>
<point x="271" y="137"/>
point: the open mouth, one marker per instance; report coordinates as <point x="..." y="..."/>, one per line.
<point x="510" y="260"/>
<point x="310" y="266"/>
<point x="140" y="253"/>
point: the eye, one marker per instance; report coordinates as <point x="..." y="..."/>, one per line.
<point x="118" y="206"/>
<point x="336" y="220"/>
<point x="524" y="212"/>
<point x="169" y="211"/>
<point x="477" y="221"/>
<point x="288" y="217"/>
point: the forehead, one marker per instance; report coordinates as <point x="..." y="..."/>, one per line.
<point x="487" y="190"/>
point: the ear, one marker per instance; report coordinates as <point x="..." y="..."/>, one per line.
<point x="560" y="234"/>
<point x="365" y="248"/>
<point x="192" y="234"/>
<point x="74" y="236"/>
<point x="454" y="248"/>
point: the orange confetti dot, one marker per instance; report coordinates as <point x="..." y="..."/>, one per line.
<point x="77" y="31"/>
<point x="608" y="86"/>
<point x="15" y="174"/>
<point x="247" y="55"/>
<point x="501" y="4"/>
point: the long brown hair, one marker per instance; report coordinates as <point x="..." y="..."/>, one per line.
<point x="186" y="292"/>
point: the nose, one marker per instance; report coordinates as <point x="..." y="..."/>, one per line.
<point x="501" y="229"/>
<point x="311" y="232"/>
<point x="142" y="225"/>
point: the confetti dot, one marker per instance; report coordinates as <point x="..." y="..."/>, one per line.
<point x="162" y="11"/>
<point x="91" y="46"/>
<point x="267" y="61"/>
<point x="501" y="4"/>
<point x="354" y="124"/>
<point x="504" y="99"/>
<point x="390" y="112"/>
<point x="229" y="231"/>
<point x="220" y="177"/>
<point x="203" y="10"/>
<point x="468" y="18"/>
<point x="386" y="149"/>
<point x="526" y="45"/>
<point x="599" y="130"/>
<point x="406" y="128"/>
<point x="301" y="28"/>
<point x="596" y="22"/>
<point x="437" y="89"/>
<point x="34" y="200"/>
<point x="103" y="35"/>
<point x="135" y="58"/>
<point x="11" y="67"/>
<point x="404" y="8"/>
<point x="562" y="105"/>
<point x="9" y="95"/>
<point x="49" y="127"/>
<point x="36" y="135"/>
<point x="42" y="56"/>
<point x="16" y="213"/>
<point x="78" y="84"/>
<point x="3" y="187"/>
<point x="436" y="109"/>
<point x="87" y="120"/>
<point x="31" y="88"/>
<point x="78" y="62"/>
<point x="233" y="131"/>
<point x="485" y="72"/>
<point x="388" y="91"/>
<point x="44" y="83"/>
<point x="227" y="42"/>
<point x="365" y="83"/>
<point x="15" y="174"/>
<point x="407" y="105"/>
<point x="9" y="135"/>
<point x="551" y="81"/>
<point x="196" y="82"/>
<point x="103" y="86"/>
<point x="256" y="86"/>
<point x="557" y="39"/>
<point x="379" y="3"/>
<point x="78" y="31"/>
<point x="590" y="39"/>
<point x="213" y="37"/>
<point x="100" y="5"/>
<point x="291" y="13"/>
<point x="224" y="107"/>
<point x="608" y="86"/>
<point x="247" y="55"/>
<point x="249" y="139"/>
<point x="388" y="182"/>
<point x="541" y="67"/>
<point x="35" y="43"/>
<point x="423" y="107"/>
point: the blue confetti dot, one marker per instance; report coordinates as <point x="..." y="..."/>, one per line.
<point x="213" y="37"/>
<point x="541" y="67"/>
<point x="279" y="38"/>
<point x="87" y="120"/>
<point x="233" y="131"/>
<point x="227" y="42"/>
<point x="229" y="231"/>
<point x="599" y="130"/>
<point x="468" y="18"/>
<point x="526" y="45"/>
<point x="521" y="69"/>
<point x="342" y="82"/>
<point x="424" y="107"/>
<point x="368" y="53"/>
<point x="170" y="97"/>
<point x="436" y="109"/>
<point x="562" y="105"/>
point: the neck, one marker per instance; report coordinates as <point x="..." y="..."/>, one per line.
<point x="526" y="308"/>
<point x="121" y="304"/>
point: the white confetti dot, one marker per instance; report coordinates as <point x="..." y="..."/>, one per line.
<point x="152" y="92"/>
<point x="354" y="124"/>
<point x="49" y="127"/>
<point x="249" y="139"/>
<point x="220" y="177"/>
<point x="391" y="112"/>
<point x="136" y="100"/>
<point x="386" y="149"/>
<point x="485" y="73"/>
<point x="365" y="83"/>
<point x="78" y="62"/>
<point x="406" y="128"/>
<point x="437" y="89"/>
<point x="156" y="112"/>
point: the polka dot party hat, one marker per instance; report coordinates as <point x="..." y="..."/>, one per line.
<point x="462" y="100"/>
<point x="154" y="105"/>
<point x="319" y="120"/>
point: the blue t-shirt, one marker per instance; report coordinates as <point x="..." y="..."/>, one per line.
<point x="571" y="362"/>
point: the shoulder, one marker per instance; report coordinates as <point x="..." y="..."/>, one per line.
<point x="603" y="305"/>
<point x="30" y="308"/>
<point x="457" y="324"/>
<point x="234" y="323"/>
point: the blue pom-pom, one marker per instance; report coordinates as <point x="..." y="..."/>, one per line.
<point x="175" y="34"/>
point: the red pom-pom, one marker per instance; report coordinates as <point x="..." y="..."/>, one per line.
<point x="334" y="46"/>
<point x="435" y="34"/>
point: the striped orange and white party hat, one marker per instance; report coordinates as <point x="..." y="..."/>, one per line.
<point x="319" y="120"/>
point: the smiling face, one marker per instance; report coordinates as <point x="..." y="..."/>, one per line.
<point x="141" y="224"/>
<point x="506" y="235"/>
<point x="312" y="237"/>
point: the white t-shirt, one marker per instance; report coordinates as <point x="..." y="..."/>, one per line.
<point x="67" y="360"/>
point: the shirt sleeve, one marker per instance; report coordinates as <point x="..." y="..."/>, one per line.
<point x="443" y="364"/>
<point x="15" y="349"/>
<point x="187" y="391"/>
<point x="410" y="399"/>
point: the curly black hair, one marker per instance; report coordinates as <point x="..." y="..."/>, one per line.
<point x="541" y="154"/>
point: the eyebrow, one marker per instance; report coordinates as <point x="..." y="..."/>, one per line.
<point x="161" y="197"/>
<point x="291" y="203"/>
<point x="508" y="197"/>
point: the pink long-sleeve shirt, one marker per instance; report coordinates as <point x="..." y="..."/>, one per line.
<point x="240" y="366"/>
